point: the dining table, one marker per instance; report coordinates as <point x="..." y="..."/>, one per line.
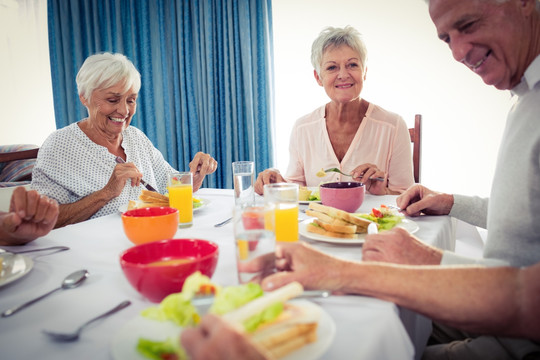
<point x="365" y="327"/>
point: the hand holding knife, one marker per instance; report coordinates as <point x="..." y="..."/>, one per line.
<point x="119" y="160"/>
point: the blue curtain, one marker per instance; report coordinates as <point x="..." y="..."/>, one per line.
<point x="206" y="67"/>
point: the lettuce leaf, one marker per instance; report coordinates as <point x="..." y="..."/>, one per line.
<point x="268" y="314"/>
<point x="232" y="297"/>
<point x="175" y="307"/>
<point x="159" y="350"/>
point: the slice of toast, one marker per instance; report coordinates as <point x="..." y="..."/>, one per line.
<point x="361" y="224"/>
<point x="313" y="228"/>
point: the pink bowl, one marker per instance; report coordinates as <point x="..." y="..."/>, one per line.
<point x="160" y="268"/>
<point x="347" y="196"/>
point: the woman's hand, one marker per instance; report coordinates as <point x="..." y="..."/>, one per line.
<point x="366" y="173"/>
<point x="120" y="175"/>
<point x="268" y="176"/>
<point x="30" y="216"/>
<point x="201" y="165"/>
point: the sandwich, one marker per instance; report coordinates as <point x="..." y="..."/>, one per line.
<point x="274" y="325"/>
<point x="333" y="222"/>
<point x="149" y="199"/>
<point x="280" y="327"/>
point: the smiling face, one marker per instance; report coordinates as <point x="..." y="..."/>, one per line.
<point x="489" y="38"/>
<point x="342" y="74"/>
<point x="110" y="110"/>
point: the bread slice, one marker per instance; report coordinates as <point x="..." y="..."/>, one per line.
<point x="361" y="223"/>
<point x="345" y="229"/>
<point x="294" y="328"/>
<point x="326" y="218"/>
<point x="314" y="228"/>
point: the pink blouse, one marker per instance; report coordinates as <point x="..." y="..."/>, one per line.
<point x="382" y="139"/>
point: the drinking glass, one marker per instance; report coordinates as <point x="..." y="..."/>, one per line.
<point x="180" y="186"/>
<point x="253" y="237"/>
<point x="243" y="179"/>
<point x="284" y="198"/>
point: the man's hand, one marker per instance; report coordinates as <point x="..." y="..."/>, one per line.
<point x="419" y="199"/>
<point x="398" y="246"/>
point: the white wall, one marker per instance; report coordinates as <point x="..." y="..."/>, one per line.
<point x="409" y="71"/>
<point x="27" y="114"/>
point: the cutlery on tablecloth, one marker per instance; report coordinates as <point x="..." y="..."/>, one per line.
<point x="146" y="185"/>
<point x="57" y="248"/>
<point x="71" y="281"/>
<point x="342" y="173"/>
<point x="223" y="222"/>
<point x="75" y="335"/>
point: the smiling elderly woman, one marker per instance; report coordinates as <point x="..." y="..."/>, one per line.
<point x="348" y="133"/>
<point x="76" y="165"/>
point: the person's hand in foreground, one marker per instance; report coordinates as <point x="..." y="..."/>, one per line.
<point x="201" y="165"/>
<point x="216" y="339"/>
<point x="398" y="246"/>
<point x="30" y="216"/>
<point x="299" y="262"/>
<point x="268" y="176"/>
<point x="421" y="200"/>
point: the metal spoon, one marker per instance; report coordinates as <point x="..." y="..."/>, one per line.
<point x="71" y="281"/>
<point x="342" y="173"/>
<point x="75" y="335"/>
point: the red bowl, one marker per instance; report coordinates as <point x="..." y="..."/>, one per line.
<point x="150" y="224"/>
<point x="347" y="196"/>
<point x="160" y="268"/>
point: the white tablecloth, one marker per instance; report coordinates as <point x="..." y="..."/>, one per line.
<point x="367" y="328"/>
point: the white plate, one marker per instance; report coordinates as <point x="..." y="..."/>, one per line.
<point x="204" y="202"/>
<point x="306" y="202"/>
<point x="407" y="224"/>
<point x="14" y="266"/>
<point x="124" y="343"/>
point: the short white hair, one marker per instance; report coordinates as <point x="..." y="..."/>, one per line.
<point x="103" y="70"/>
<point x="335" y="37"/>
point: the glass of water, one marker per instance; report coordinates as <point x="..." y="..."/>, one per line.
<point x="243" y="180"/>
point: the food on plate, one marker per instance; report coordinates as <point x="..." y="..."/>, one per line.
<point x="321" y="173"/>
<point x="270" y="321"/>
<point x="384" y="216"/>
<point x="303" y="193"/>
<point x="154" y="199"/>
<point x="333" y="222"/>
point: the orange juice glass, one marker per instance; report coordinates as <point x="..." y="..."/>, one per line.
<point x="180" y="187"/>
<point x="284" y="198"/>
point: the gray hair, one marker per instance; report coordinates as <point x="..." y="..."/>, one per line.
<point x="335" y="37"/>
<point x="101" y="71"/>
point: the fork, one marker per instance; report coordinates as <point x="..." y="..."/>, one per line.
<point x="64" y="337"/>
<point x="342" y="173"/>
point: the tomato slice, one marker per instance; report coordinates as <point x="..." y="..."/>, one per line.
<point x="377" y="213"/>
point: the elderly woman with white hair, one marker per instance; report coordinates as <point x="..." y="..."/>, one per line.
<point x="349" y="133"/>
<point x="77" y="165"/>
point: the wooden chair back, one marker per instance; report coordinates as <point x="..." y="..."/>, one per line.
<point x="19" y="155"/>
<point x="416" y="140"/>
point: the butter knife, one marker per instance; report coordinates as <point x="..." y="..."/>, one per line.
<point x="146" y="185"/>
